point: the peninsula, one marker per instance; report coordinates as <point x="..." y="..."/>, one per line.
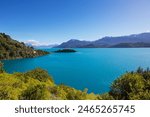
<point x="12" y="49"/>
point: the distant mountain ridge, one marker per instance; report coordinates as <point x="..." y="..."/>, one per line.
<point x="134" y="40"/>
<point x="73" y="43"/>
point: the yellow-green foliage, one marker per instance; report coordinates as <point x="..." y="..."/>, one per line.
<point x="37" y="85"/>
<point x="10" y="87"/>
<point x="132" y="86"/>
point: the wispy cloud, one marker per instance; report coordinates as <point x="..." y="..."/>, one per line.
<point x="35" y="43"/>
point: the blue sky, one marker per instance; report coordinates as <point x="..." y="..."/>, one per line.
<point x="55" y="21"/>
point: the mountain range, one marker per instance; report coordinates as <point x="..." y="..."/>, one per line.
<point x="130" y="41"/>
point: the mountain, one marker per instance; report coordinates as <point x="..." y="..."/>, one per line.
<point x="12" y="49"/>
<point x="73" y="43"/>
<point x="143" y="37"/>
<point x="136" y="40"/>
<point x="131" y="45"/>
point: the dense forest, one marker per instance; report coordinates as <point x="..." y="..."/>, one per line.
<point x="39" y="85"/>
<point x="12" y="49"/>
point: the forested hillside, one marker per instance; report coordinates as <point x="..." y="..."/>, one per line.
<point x="12" y="49"/>
<point x="39" y="85"/>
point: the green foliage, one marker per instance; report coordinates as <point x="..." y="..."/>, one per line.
<point x="10" y="87"/>
<point x="65" y="50"/>
<point x="127" y="84"/>
<point x="35" y="92"/>
<point x="93" y="96"/>
<point x="39" y="74"/>
<point x="12" y="49"/>
<point x="38" y="85"/>
<point x="69" y="93"/>
<point x="133" y="85"/>
<point x="106" y="96"/>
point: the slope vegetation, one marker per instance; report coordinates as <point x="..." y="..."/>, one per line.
<point x="39" y="85"/>
<point x="12" y="49"/>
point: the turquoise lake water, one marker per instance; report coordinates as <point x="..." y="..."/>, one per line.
<point x="94" y="69"/>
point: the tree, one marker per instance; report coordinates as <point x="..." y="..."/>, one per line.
<point x="1" y="67"/>
<point x="129" y="86"/>
<point x="39" y="74"/>
<point x="11" y="49"/>
<point x="36" y="92"/>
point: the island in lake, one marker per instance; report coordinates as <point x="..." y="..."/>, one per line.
<point x="65" y="50"/>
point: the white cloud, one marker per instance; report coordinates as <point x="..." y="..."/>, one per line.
<point x="32" y="42"/>
<point x="35" y="43"/>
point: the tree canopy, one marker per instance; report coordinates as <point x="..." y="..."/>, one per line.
<point x="132" y="86"/>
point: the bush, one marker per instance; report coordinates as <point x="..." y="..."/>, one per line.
<point x="10" y="87"/>
<point x="39" y="74"/>
<point x="36" y="92"/>
<point x="37" y="85"/>
<point x="133" y="85"/>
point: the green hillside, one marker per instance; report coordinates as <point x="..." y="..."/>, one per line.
<point x="12" y="49"/>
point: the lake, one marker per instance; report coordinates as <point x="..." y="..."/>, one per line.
<point x="94" y="69"/>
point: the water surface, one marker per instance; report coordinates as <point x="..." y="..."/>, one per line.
<point x="94" y="69"/>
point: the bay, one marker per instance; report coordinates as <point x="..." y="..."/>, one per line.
<point x="91" y="68"/>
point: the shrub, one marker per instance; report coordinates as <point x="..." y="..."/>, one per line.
<point x="132" y="85"/>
